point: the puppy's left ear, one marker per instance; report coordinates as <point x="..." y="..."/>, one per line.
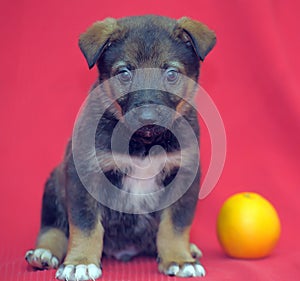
<point x="197" y="34"/>
<point x="93" y="42"/>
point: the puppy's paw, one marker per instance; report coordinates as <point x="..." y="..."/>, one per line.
<point x="41" y="258"/>
<point x="194" y="269"/>
<point x="195" y="251"/>
<point x="78" y="272"/>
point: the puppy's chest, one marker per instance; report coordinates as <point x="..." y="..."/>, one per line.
<point x="144" y="175"/>
<point x="138" y="175"/>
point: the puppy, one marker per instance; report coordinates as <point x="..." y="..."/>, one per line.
<point x="143" y="200"/>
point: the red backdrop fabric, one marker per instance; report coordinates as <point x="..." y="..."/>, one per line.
<point x="252" y="75"/>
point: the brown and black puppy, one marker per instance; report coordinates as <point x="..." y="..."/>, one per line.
<point x="76" y="226"/>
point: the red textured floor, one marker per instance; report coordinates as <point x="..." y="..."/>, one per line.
<point x="252" y="75"/>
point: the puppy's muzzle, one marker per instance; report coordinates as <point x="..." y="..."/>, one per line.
<point x="149" y="121"/>
<point x="147" y="114"/>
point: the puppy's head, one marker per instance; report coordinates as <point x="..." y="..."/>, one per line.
<point x="122" y="48"/>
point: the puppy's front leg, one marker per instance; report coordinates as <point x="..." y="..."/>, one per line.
<point x="84" y="252"/>
<point x="82" y="261"/>
<point x="176" y="254"/>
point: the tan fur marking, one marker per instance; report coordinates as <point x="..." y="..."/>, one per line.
<point x="187" y="97"/>
<point x="111" y="99"/>
<point x="172" y="245"/>
<point x="85" y="248"/>
<point x="55" y="241"/>
<point x="181" y="106"/>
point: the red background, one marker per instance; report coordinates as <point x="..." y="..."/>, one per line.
<point x="252" y="75"/>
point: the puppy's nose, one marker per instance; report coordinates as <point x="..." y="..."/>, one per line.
<point x="147" y="116"/>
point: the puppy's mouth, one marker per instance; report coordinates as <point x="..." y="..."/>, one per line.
<point x="149" y="133"/>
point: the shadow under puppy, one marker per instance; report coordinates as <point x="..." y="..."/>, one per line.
<point x="76" y="228"/>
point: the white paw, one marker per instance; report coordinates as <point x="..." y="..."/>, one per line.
<point x="41" y="258"/>
<point x="79" y="272"/>
<point x="186" y="270"/>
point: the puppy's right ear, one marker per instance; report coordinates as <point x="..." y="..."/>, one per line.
<point x="93" y="42"/>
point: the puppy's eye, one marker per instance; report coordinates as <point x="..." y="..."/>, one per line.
<point x="172" y="75"/>
<point x="125" y="75"/>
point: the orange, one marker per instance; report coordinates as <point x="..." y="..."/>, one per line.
<point x="248" y="226"/>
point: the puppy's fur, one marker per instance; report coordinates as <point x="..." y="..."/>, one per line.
<point x="75" y="228"/>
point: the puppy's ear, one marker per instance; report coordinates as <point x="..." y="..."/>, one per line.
<point x="93" y="42"/>
<point x="197" y="34"/>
